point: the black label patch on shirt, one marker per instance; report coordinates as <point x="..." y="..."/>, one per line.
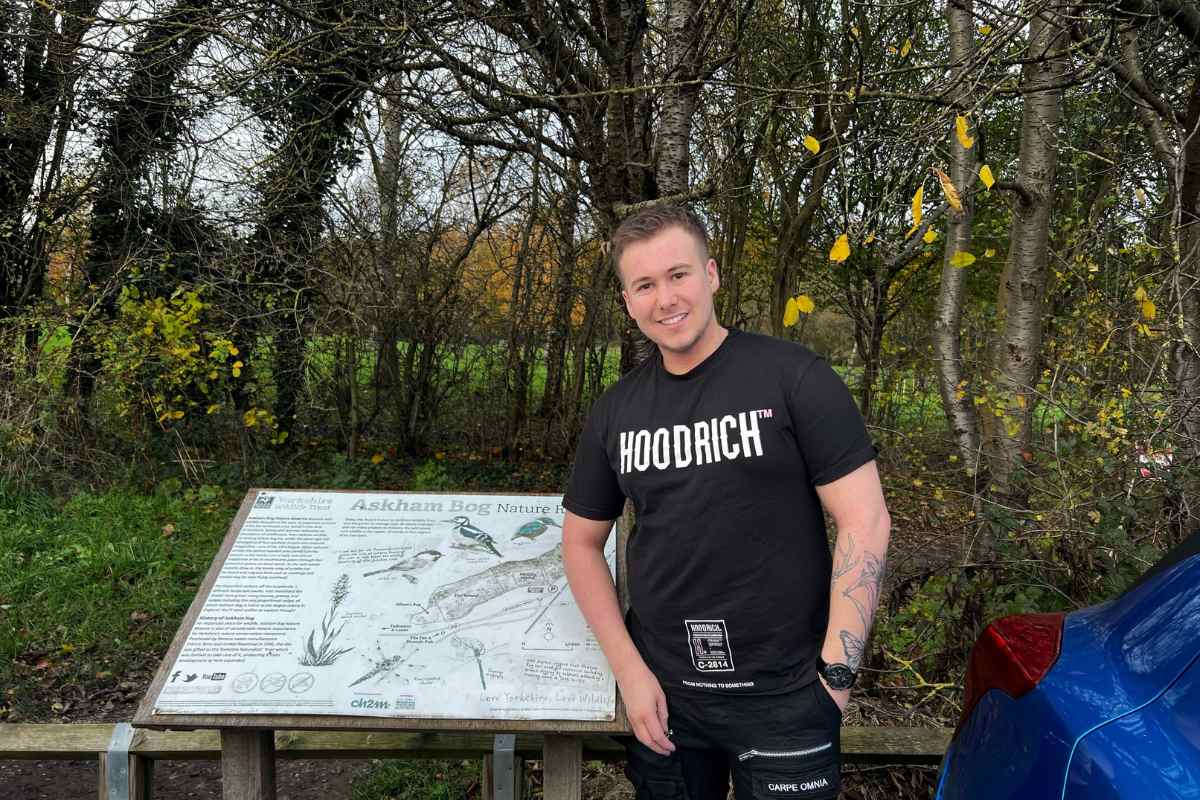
<point x="708" y="642"/>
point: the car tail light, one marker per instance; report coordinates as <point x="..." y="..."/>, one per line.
<point x="1012" y="655"/>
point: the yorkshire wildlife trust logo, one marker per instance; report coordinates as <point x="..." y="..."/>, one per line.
<point x="289" y="501"/>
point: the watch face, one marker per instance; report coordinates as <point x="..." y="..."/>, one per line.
<point x="839" y="676"/>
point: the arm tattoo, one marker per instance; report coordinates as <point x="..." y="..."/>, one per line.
<point x="845" y="560"/>
<point x="853" y="646"/>
<point x="868" y="581"/>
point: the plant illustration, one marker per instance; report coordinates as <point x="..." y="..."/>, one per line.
<point x="327" y="653"/>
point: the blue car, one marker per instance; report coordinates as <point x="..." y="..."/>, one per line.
<point x="1102" y="703"/>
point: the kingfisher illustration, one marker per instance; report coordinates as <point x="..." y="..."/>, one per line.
<point x="479" y="537"/>
<point x="534" y="528"/>
<point x="415" y="564"/>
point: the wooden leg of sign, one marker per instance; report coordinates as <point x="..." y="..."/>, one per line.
<point x="247" y="765"/>
<point x="563" y="768"/>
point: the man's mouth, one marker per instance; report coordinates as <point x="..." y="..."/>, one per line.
<point x="673" y="320"/>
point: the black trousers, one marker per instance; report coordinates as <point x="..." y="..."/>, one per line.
<point x="785" y="745"/>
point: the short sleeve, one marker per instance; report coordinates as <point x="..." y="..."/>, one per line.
<point x="593" y="491"/>
<point x="830" y="431"/>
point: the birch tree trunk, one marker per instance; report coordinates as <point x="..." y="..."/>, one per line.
<point x="679" y="99"/>
<point x="1019" y="323"/>
<point x="1186" y="301"/>
<point x="957" y="400"/>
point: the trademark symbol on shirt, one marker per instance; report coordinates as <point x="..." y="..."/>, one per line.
<point x="765" y="413"/>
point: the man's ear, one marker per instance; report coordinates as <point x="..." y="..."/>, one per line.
<point x="625" y="298"/>
<point x="714" y="276"/>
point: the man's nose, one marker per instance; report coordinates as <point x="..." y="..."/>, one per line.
<point x="666" y="295"/>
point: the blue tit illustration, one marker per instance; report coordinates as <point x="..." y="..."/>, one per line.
<point x="410" y="566"/>
<point x="479" y="537"/>
<point x="534" y="528"/>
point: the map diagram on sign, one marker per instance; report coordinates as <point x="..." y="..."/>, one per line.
<point x="394" y="605"/>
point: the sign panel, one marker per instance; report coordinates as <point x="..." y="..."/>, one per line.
<point x="393" y="605"/>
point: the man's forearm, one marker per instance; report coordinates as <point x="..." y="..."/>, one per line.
<point x="859" y="560"/>
<point x="596" y="595"/>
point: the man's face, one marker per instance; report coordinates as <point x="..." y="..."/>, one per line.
<point x="668" y="291"/>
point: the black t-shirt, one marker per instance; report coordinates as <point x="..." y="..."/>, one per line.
<point x="729" y="563"/>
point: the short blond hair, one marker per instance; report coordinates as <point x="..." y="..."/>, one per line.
<point x="652" y="220"/>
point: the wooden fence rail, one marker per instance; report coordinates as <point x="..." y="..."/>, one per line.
<point x="80" y="741"/>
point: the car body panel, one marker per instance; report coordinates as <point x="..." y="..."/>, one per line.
<point x="1106" y="767"/>
<point x="1116" y="658"/>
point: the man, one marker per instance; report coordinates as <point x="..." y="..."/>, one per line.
<point x="742" y="638"/>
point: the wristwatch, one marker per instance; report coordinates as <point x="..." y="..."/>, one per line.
<point x="838" y="676"/>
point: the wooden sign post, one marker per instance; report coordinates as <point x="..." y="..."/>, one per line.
<point x="378" y="611"/>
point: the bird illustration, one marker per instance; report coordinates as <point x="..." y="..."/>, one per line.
<point x="479" y="537"/>
<point x="417" y="563"/>
<point x="534" y="528"/>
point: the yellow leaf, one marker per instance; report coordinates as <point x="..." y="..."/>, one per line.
<point x="214" y="408"/>
<point x="212" y="376"/>
<point x="1143" y="329"/>
<point x="949" y="190"/>
<point x="962" y="259"/>
<point x="985" y="175"/>
<point x="1149" y="310"/>
<point x="930" y="236"/>
<point x="812" y="145"/>
<point x="805" y="304"/>
<point x="961" y="129"/>
<point x="906" y="48"/>
<point x="841" y="249"/>
<point x="984" y="30"/>
<point x="237" y="372"/>
<point x="176" y="415"/>
<point x="870" y="238"/>
<point x="1139" y="294"/>
<point x="233" y="351"/>
<point x="238" y="365"/>
<point x="377" y="458"/>
<point x="1140" y="193"/>
<point x="791" y="314"/>
<point x="991" y="251"/>
<point x="916" y="206"/>
<point x="854" y="31"/>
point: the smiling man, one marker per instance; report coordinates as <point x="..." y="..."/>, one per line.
<point x="743" y="636"/>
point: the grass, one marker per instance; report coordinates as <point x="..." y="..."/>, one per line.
<point x="97" y="583"/>
<point x="420" y="780"/>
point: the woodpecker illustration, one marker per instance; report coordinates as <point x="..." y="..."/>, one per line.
<point x="480" y="538"/>
<point x="534" y="528"/>
<point x="416" y="564"/>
